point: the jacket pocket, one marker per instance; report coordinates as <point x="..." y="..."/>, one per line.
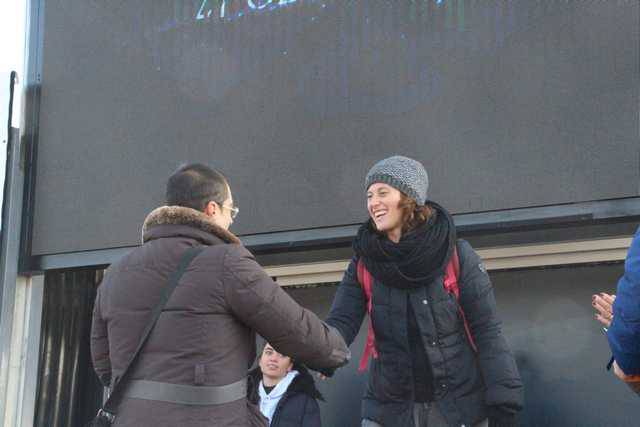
<point x="472" y="407"/>
<point x="386" y="383"/>
<point x="447" y="316"/>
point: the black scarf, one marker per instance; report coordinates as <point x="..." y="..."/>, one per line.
<point x="418" y="258"/>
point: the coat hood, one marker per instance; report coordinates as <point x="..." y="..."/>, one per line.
<point x="169" y="221"/>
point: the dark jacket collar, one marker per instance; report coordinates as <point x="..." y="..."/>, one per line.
<point x="178" y="221"/>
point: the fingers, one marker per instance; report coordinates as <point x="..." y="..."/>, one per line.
<point x="603" y="300"/>
<point x="603" y="309"/>
<point x="609" y="299"/>
<point x="322" y="377"/>
<point x="605" y="322"/>
<point x="603" y="305"/>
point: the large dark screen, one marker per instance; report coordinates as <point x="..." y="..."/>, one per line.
<point x="507" y="103"/>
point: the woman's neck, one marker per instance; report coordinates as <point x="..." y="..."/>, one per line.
<point x="394" y="235"/>
<point x="270" y="381"/>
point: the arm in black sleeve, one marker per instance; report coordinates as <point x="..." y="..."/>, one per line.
<point x="498" y="366"/>
<point x="349" y="305"/>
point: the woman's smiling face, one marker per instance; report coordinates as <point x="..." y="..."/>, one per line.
<point x="383" y="204"/>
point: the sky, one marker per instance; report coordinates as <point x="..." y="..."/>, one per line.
<point x="12" y="42"/>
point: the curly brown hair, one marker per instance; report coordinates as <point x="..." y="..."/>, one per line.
<point x="413" y="215"/>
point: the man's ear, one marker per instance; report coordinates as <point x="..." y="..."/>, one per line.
<point x="211" y="209"/>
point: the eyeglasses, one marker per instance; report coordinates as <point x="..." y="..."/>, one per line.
<point x="234" y="211"/>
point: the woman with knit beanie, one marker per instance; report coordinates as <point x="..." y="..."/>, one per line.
<point x="438" y="359"/>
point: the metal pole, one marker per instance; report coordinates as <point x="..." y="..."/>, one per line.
<point x="10" y="249"/>
<point x="12" y="141"/>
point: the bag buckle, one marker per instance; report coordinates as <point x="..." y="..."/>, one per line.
<point x="108" y="415"/>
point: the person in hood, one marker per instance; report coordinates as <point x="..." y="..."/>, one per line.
<point x="284" y="390"/>
<point x="620" y="315"/>
<point x="425" y="370"/>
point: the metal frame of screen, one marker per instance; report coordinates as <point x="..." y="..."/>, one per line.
<point x="516" y="220"/>
<point x="30" y="122"/>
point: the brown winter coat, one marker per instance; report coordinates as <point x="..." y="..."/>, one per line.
<point x="206" y="333"/>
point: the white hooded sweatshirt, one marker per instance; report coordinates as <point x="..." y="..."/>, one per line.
<point x="268" y="402"/>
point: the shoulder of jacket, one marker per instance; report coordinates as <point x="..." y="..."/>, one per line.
<point x="226" y="253"/>
<point x="464" y="250"/>
<point x="304" y="384"/>
<point x="468" y="257"/>
<point x="234" y="250"/>
<point x="462" y="244"/>
<point x="353" y="263"/>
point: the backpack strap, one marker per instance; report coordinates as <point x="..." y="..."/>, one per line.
<point x="365" y="279"/>
<point x="451" y="277"/>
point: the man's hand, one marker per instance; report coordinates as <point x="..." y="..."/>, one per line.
<point x="325" y="374"/>
<point x="603" y="303"/>
<point x="633" y="381"/>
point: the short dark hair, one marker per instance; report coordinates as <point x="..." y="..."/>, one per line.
<point x="194" y="185"/>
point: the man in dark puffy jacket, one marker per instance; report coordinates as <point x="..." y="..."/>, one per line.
<point x="621" y="315"/>
<point x="204" y="339"/>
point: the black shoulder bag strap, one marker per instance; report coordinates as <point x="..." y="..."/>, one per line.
<point x="106" y="415"/>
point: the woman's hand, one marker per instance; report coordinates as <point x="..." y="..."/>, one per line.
<point x="603" y="303"/>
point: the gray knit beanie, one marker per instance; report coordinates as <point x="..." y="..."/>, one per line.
<point x="402" y="173"/>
